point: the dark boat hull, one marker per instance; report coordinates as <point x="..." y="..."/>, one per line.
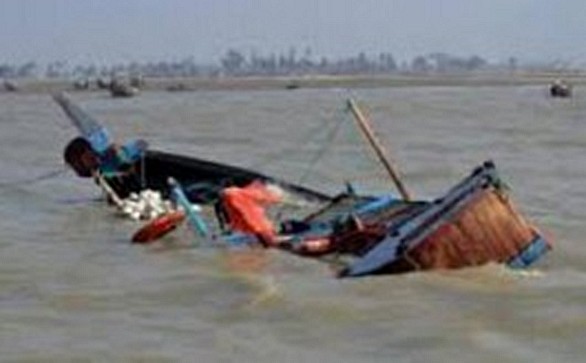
<point x="202" y="179"/>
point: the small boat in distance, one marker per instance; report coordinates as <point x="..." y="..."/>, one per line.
<point x="10" y="85"/>
<point x="560" y="88"/>
<point x="81" y="84"/>
<point x="292" y="85"/>
<point x="119" y="88"/>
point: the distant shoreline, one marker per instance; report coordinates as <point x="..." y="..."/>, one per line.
<point x="316" y="82"/>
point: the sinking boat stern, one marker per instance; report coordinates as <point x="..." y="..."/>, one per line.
<point x="473" y="224"/>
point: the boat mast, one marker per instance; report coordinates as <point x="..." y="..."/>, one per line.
<point x="378" y="149"/>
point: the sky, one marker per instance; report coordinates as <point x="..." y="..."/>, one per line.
<point x="110" y="31"/>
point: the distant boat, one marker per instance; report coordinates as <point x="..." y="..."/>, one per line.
<point x="81" y="84"/>
<point x="292" y="86"/>
<point x="120" y="89"/>
<point x="560" y="89"/>
<point x="103" y="83"/>
<point x="179" y="87"/>
<point x="10" y="86"/>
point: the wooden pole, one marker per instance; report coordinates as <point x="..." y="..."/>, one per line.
<point x="378" y="149"/>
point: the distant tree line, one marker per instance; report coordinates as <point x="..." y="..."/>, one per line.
<point x="442" y="62"/>
<point x="237" y="63"/>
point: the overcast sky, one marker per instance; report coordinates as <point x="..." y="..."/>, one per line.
<point x="106" y="31"/>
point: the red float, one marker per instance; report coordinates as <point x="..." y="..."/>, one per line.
<point x="158" y="227"/>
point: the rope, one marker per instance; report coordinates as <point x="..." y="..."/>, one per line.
<point x="280" y="155"/>
<point x="321" y="152"/>
<point x="47" y="176"/>
<point x="328" y="142"/>
<point x="142" y="171"/>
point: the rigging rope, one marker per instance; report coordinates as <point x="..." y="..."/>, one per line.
<point x="279" y="155"/>
<point x="341" y="117"/>
<point x="330" y="137"/>
<point x="326" y="145"/>
<point x="314" y="134"/>
<point x="49" y="175"/>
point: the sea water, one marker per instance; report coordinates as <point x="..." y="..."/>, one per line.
<point x="73" y="289"/>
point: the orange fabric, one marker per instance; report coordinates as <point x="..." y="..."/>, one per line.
<point x="245" y="209"/>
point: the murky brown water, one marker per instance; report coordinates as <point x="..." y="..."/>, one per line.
<point x="73" y="289"/>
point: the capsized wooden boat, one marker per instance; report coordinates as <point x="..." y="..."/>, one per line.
<point x="474" y="223"/>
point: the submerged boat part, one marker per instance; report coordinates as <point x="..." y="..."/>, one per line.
<point x="473" y="224"/>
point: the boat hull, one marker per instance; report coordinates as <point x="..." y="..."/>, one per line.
<point x="201" y="179"/>
<point x="475" y="223"/>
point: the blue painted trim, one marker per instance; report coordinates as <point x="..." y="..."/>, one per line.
<point x="132" y="151"/>
<point x="376" y="205"/>
<point x="195" y="220"/>
<point x="237" y="239"/>
<point x="533" y="252"/>
<point x="99" y="139"/>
